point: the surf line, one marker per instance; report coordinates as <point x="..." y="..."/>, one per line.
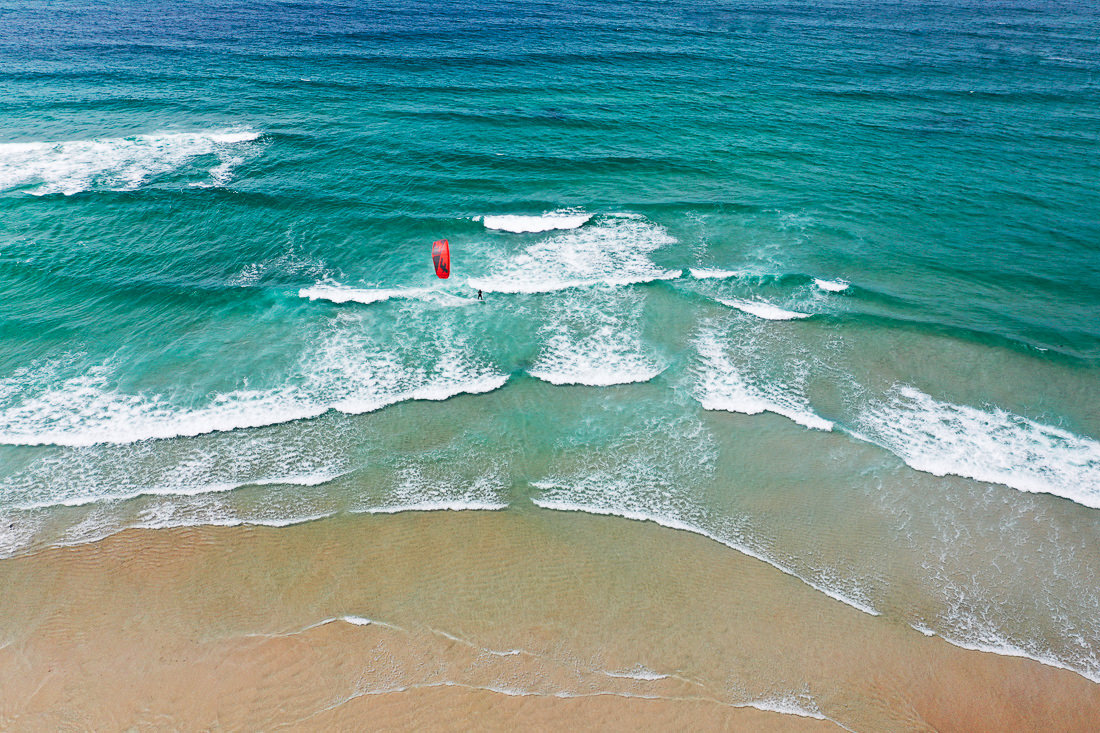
<point x="682" y="526"/>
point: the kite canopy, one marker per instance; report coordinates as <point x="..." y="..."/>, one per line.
<point x="441" y="258"/>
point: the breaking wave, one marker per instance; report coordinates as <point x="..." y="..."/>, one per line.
<point x="563" y="219"/>
<point x="346" y="372"/>
<point x="990" y="445"/>
<point x="337" y="293"/>
<point x="832" y="286"/>
<point x="613" y="251"/>
<point x="121" y="163"/>
<point x="760" y="309"/>
<point x="597" y="341"/>
<point x="704" y="274"/>
<point x="721" y="385"/>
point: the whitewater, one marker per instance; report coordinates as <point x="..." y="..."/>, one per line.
<point x="859" y="343"/>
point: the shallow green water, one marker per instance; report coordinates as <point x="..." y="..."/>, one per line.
<point x="819" y="281"/>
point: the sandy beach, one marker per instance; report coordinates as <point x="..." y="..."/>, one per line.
<point x="405" y="365"/>
<point x="452" y="620"/>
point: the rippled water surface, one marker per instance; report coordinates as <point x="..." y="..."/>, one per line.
<point x="818" y="281"/>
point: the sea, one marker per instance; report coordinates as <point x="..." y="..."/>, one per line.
<point x="816" y="280"/>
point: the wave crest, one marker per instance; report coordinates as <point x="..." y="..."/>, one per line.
<point x="119" y="163"/>
<point x="614" y="251"/>
<point x="345" y="372"/>
<point x="337" y="293"/>
<point x="832" y="286"/>
<point x="760" y="309"/>
<point x="992" y="445"/>
<point x="721" y="386"/>
<point x="562" y="219"/>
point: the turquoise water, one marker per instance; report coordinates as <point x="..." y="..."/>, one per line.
<point x="820" y="281"/>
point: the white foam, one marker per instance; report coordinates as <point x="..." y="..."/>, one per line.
<point x="655" y="469"/>
<point x="167" y="507"/>
<point x="432" y="486"/>
<point x="222" y="174"/>
<point x="640" y="673"/>
<point x="704" y="274"/>
<point x="832" y="286"/>
<point x="434" y="506"/>
<point x="119" y="164"/>
<point x="595" y="340"/>
<point x="176" y="488"/>
<point x="491" y="652"/>
<point x="674" y="523"/>
<point x="801" y="706"/>
<point x="85" y="410"/>
<point x="422" y="488"/>
<point x="614" y="251"/>
<point x="549" y="285"/>
<point x="721" y="386"/>
<point x="280" y="508"/>
<point x="337" y="293"/>
<point x="353" y="620"/>
<point x="186" y="479"/>
<point x="227" y="522"/>
<point x="344" y="294"/>
<point x="760" y="309"/>
<point x="990" y="445"/>
<point x="598" y="360"/>
<point x="348" y="373"/>
<point x="993" y="644"/>
<point x="290" y="263"/>
<point x="356" y="620"/>
<point x="102" y="524"/>
<point x="297" y="479"/>
<point x="562" y="219"/>
<point x="355" y="372"/>
<point x="15" y="537"/>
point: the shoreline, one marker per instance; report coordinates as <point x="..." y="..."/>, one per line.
<point x="533" y="617"/>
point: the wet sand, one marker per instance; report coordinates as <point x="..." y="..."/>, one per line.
<point x="448" y="620"/>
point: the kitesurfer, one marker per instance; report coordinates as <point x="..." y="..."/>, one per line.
<point x="441" y="258"/>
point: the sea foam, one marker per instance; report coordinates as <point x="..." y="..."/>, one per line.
<point x="563" y="219"/>
<point x="306" y="455"/>
<point x="708" y="274"/>
<point x="435" y="487"/>
<point x="347" y="372"/>
<point x="121" y="163"/>
<point x="760" y="309"/>
<point x="595" y="340"/>
<point x="104" y="489"/>
<point x="86" y="409"/>
<point x="654" y="469"/>
<point x="603" y="358"/>
<point x="993" y="643"/>
<point x="721" y="385"/>
<point x="832" y="286"/>
<point x="801" y="706"/>
<point x="613" y="251"/>
<point x="672" y="522"/>
<point x="337" y="293"/>
<point x="990" y="445"/>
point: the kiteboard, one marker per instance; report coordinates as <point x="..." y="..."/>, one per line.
<point x="441" y="258"/>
